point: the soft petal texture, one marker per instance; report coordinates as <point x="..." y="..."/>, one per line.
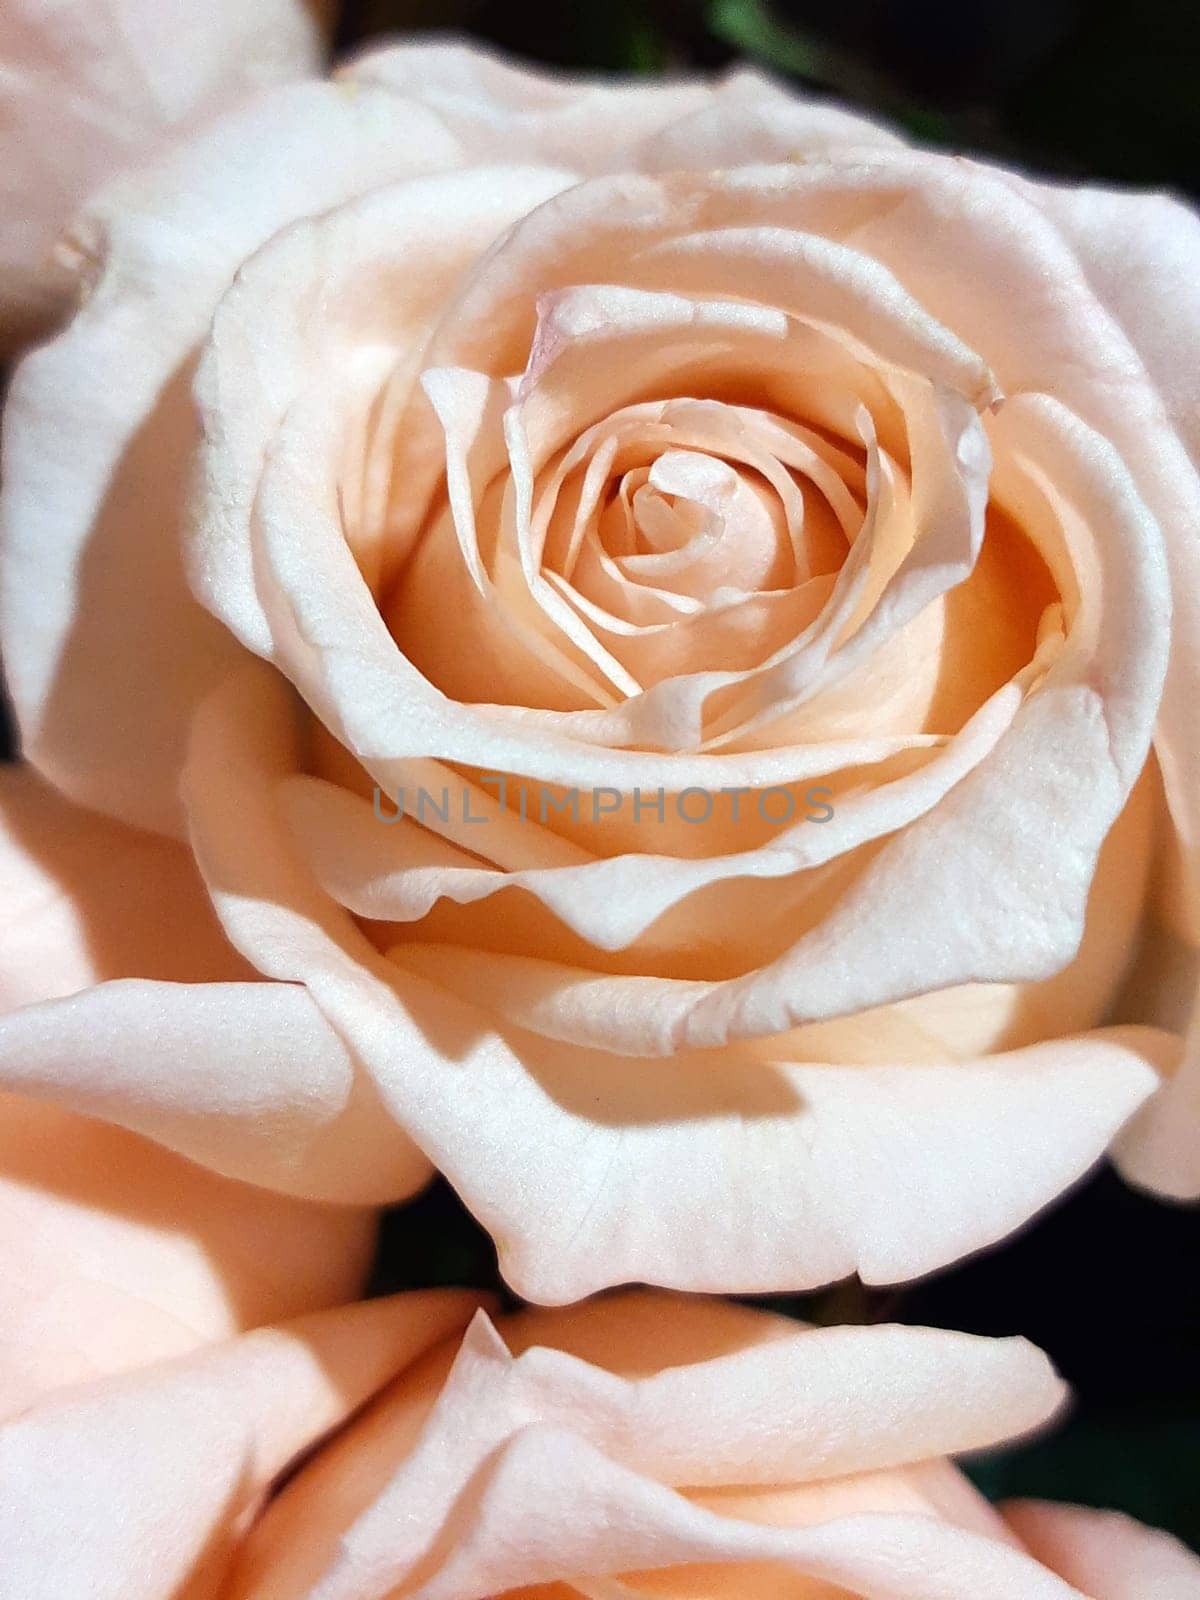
<point x="99" y="428"/>
<point x="614" y="1442"/>
<point x="247" y="1078"/>
<point x="772" y="459"/>
<point x="1125" y="240"/>
<point x="114" y="1252"/>
<point x="1105" y="1555"/>
<point x="87" y="91"/>
<point x="492" y="105"/>
<point x="164" y="1036"/>
<point x="303" y="597"/>
<point x="137" y="1487"/>
<point x="85" y="899"/>
<point x="792" y="1167"/>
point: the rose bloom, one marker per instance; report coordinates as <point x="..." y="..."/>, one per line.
<point x="647" y="1445"/>
<point x="90" y="90"/>
<point x="640" y="474"/>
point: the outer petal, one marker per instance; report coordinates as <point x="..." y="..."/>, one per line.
<point x="562" y="1466"/>
<point x="550" y="1507"/>
<point x="1141" y="254"/>
<point x="87" y="91"/>
<point x="335" y="307"/>
<point x="1108" y="1556"/>
<point x="1160" y="1149"/>
<point x="248" y="1079"/>
<point x="749" y="119"/>
<point x="135" y="1488"/>
<point x="493" y="105"/>
<point x="701" y="1171"/>
<point x="95" y="610"/>
<point x="84" y="899"/>
<point x="114" y="1252"/>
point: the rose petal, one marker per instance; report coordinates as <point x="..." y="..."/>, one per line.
<point x="115" y="1252"/>
<point x="1126" y="240"/>
<point x="391" y="1501"/>
<point x="88" y="92"/>
<point x="491" y="104"/>
<point x="99" y="428"/>
<point x="136" y="1487"/>
<point x="86" y="899"/>
<point x="594" y="1169"/>
<point x="246" y="1078"/>
<point x="1106" y="1555"/>
<point x="550" y="1507"/>
<point x="751" y="120"/>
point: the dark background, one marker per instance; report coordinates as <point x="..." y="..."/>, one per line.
<point x="1106" y="1281"/>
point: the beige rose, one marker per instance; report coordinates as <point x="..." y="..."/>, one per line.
<point x="601" y="441"/>
<point x="89" y="90"/>
<point x="637" y="1446"/>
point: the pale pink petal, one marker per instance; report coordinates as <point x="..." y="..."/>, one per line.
<point x="830" y="1418"/>
<point x="293" y="326"/>
<point x="700" y="1171"/>
<point x="85" y="899"/>
<point x="591" y="124"/>
<point x="1160" y="1149"/>
<point x="497" y="1472"/>
<point x="99" y="432"/>
<point x="244" y="1077"/>
<point x="337" y="648"/>
<point x="248" y="1079"/>
<point x="1141" y="255"/>
<point x="88" y="91"/>
<point x="1106" y="1555"/>
<point x="550" y="1507"/>
<point x="751" y="120"/>
<point x="136" y="1487"/>
<point x="1025" y="297"/>
<point x="115" y="1252"/>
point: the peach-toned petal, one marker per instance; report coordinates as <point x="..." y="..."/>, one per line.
<point x="491" y="104"/>
<point x="536" y="1466"/>
<point x="99" y="432"/>
<point x="86" y="899"/>
<point x="246" y="1078"/>
<point x="1160" y="1149"/>
<point x="1106" y="1555"/>
<point x="751" y="120"/>
<point x="550" y="1507"/>
<point x="136" y="1487"/>
<point x="402" y="249"/>
<point x="159" y="1037"/>
<point x="1127" y="241"/>
<point x="115" y="1252"/>
<point x="87" y="91"/>
<point x="1007" y="281"/>
<point x="591" y="1168"/>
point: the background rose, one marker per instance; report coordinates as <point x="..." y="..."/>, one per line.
<point x="140" y="1486"/>
<point x="87" y="91"/>
<point x="682" y="1446"/>
<point x="831" y="1089"/>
